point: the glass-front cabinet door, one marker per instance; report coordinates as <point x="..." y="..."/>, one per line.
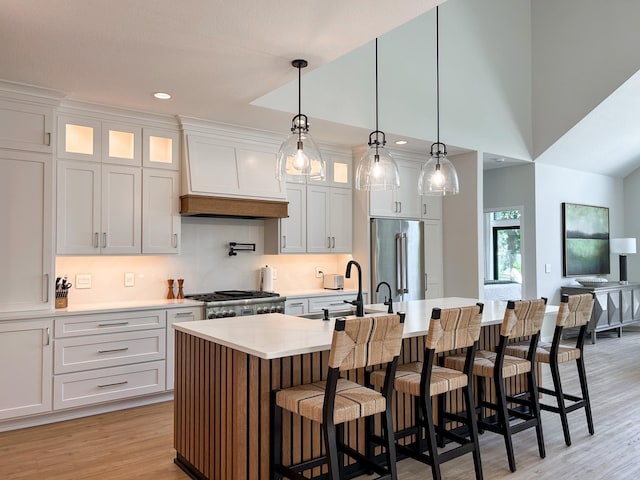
<point x="160" y="149"/>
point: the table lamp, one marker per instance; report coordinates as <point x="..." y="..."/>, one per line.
<point x="623" y="246"/>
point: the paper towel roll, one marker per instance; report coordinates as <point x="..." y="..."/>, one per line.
<point x="266" y="279"/>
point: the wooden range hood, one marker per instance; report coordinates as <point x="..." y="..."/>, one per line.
<point x="207" y="206"/>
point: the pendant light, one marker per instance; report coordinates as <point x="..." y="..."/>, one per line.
<point x="377" y="170"/>
<point x="298" y="157"/>
<point x="438" y="176"/>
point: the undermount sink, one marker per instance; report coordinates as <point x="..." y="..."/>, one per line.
<point x="337" y="313"/>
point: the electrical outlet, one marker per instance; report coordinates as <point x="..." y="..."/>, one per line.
<point x="318" y="272"/>
<point x="129" y="279"/>
<point x="547" y="268"/>
<point x="83" y="280"/>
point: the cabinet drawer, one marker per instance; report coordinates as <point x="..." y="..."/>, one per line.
<point x="86" y="388"/>
<point x="334" y="302"/>
<point x="99" y="323"/>
<point x="99" y="351"/>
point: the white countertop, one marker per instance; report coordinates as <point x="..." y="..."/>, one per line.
<point x="276" y="335"/>
<point x="102" y="307"/>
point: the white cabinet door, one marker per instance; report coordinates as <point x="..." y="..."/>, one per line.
<point x="296" y="306"/>
<point x="407" y="195"/>
<point x="79" y="138"/>
<point x="78" y="208"/>
<point x="383" y="203"/>
<point x="433" y="251"/>
<point x="293" y="230"/>
<point x="25" y="367"/>
<point x="121" y="144"/>
<point x="121" y="210"/>
<point x="25" y="127"/>
<point x="318" y="219"/>
<point x="160" y="211"/>
<point x="341" y="216"/>
<point x="160" y="149"/>
<point x="26" y="256"/>
<point x="177" y="315"/>
<point x="432" y="207"/>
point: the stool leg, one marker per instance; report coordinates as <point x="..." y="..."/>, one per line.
<point x="389" y="443"/>
<point x="331" y="446"/>
<point x="585" y="392"/>
<point x="420" y="436"/>
<point x="441" y="407"/>
<point x="503" y="418"/>
<point x="481" y="394"/>
<point x="432" y="446"/>
<point x="557" y="387"/>
<point x="533" y="393"/>
<point x="473" y="428"/>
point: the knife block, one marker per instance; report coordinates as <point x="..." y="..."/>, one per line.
<point x="61" y="302"/>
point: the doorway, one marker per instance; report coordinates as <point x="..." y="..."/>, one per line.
<point x="503" y="254"/>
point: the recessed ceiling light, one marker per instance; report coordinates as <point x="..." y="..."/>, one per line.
<point x="162" y="95"/>
<point x="400" y="142"/>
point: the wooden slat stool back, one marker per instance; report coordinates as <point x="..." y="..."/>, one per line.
<point x="521" y="319"/>
<point x="574" y="311"/>
<point x="449" y="329"/>
<point x="357" y="343"/>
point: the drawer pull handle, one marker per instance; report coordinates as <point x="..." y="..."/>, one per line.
<point x="184" y="314"/>
<point x="117" y="324"/>
<point x="114" y="350"/>
<point x="113" y="384"/>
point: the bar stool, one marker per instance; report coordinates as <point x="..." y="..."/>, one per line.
<point x="449" y="329"/>
<point x="357" y="343"/>
<point x="574" y="311"/>
<point x="521" y="319"/>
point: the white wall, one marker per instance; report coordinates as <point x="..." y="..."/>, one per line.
<point x="554" y="185"/>
<point x="582" y="51"/>
<point x="204" y="263"/>
<point x="485" y="72"/>
<point x="632" y="222"/>
<point x="462" y="231"/>
<point x="514" y="187"/>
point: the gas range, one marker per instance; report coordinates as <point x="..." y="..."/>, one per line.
<point x="231" y="303"/>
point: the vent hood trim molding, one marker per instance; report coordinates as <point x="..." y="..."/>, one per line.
<point x="208" y="206"/>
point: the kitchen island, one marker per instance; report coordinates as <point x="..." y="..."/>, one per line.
<point x="227" y="368"/>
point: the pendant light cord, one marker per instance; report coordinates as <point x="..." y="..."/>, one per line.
<point x="437" y="79"/>
<point x="376" y="86"/>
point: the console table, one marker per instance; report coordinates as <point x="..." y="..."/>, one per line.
<point x="615" y="306"/>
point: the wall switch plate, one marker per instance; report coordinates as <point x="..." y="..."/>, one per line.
<point x="129" y="279"/>
<point x="547" y="268"/>
<point x="83" y="280"/>
<point x="318" y="272"/>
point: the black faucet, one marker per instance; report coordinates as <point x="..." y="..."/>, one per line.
<point x="358" y="301"/>
<point x="387" y="302"/>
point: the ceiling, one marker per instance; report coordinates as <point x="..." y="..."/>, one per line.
<point x="214" y="57"/>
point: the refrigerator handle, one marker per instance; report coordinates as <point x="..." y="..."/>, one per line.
<point x="405" y="269"/>
<point x="399" y="263"/>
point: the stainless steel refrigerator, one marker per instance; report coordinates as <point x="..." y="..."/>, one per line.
<point x="397" y="257"/>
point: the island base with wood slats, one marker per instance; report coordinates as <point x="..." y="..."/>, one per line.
<point x="222" y="406"/>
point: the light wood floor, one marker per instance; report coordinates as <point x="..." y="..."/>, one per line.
<point x="137" y="443"/>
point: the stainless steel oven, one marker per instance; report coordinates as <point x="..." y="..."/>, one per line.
<point x="232" y="303"/>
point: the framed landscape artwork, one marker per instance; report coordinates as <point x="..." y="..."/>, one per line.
<point x="586" y="239"/>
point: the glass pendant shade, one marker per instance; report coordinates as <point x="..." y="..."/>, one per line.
<point x="438" y="176"/>
<point x="377" y="170"/>
<point x="299" y="158"/>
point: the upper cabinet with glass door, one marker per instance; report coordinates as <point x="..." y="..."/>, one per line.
<point x="338" y="170"/>
<point x="160" y="148"/>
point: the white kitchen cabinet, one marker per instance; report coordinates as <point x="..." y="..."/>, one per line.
<point x="108" y="356"/>
<point x="99" y="208"/>
<point x="26" y="243"/>
<point x="160" y="148"/>
<point x="405" y="202"/>
<point x="431" y="207"/>
<point x="25" y="367"/>
<point x="296" y="306"/>
<point x="288" y="235"/>
<point x="174" y="315"/>
<point x="161" y="225"/>
<point x="339" y="171"/>
<point x="329" y="215"/>
<point x="433" y="255"/>
<point x="333" y="302"/>
<point x="25" y="126"/>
